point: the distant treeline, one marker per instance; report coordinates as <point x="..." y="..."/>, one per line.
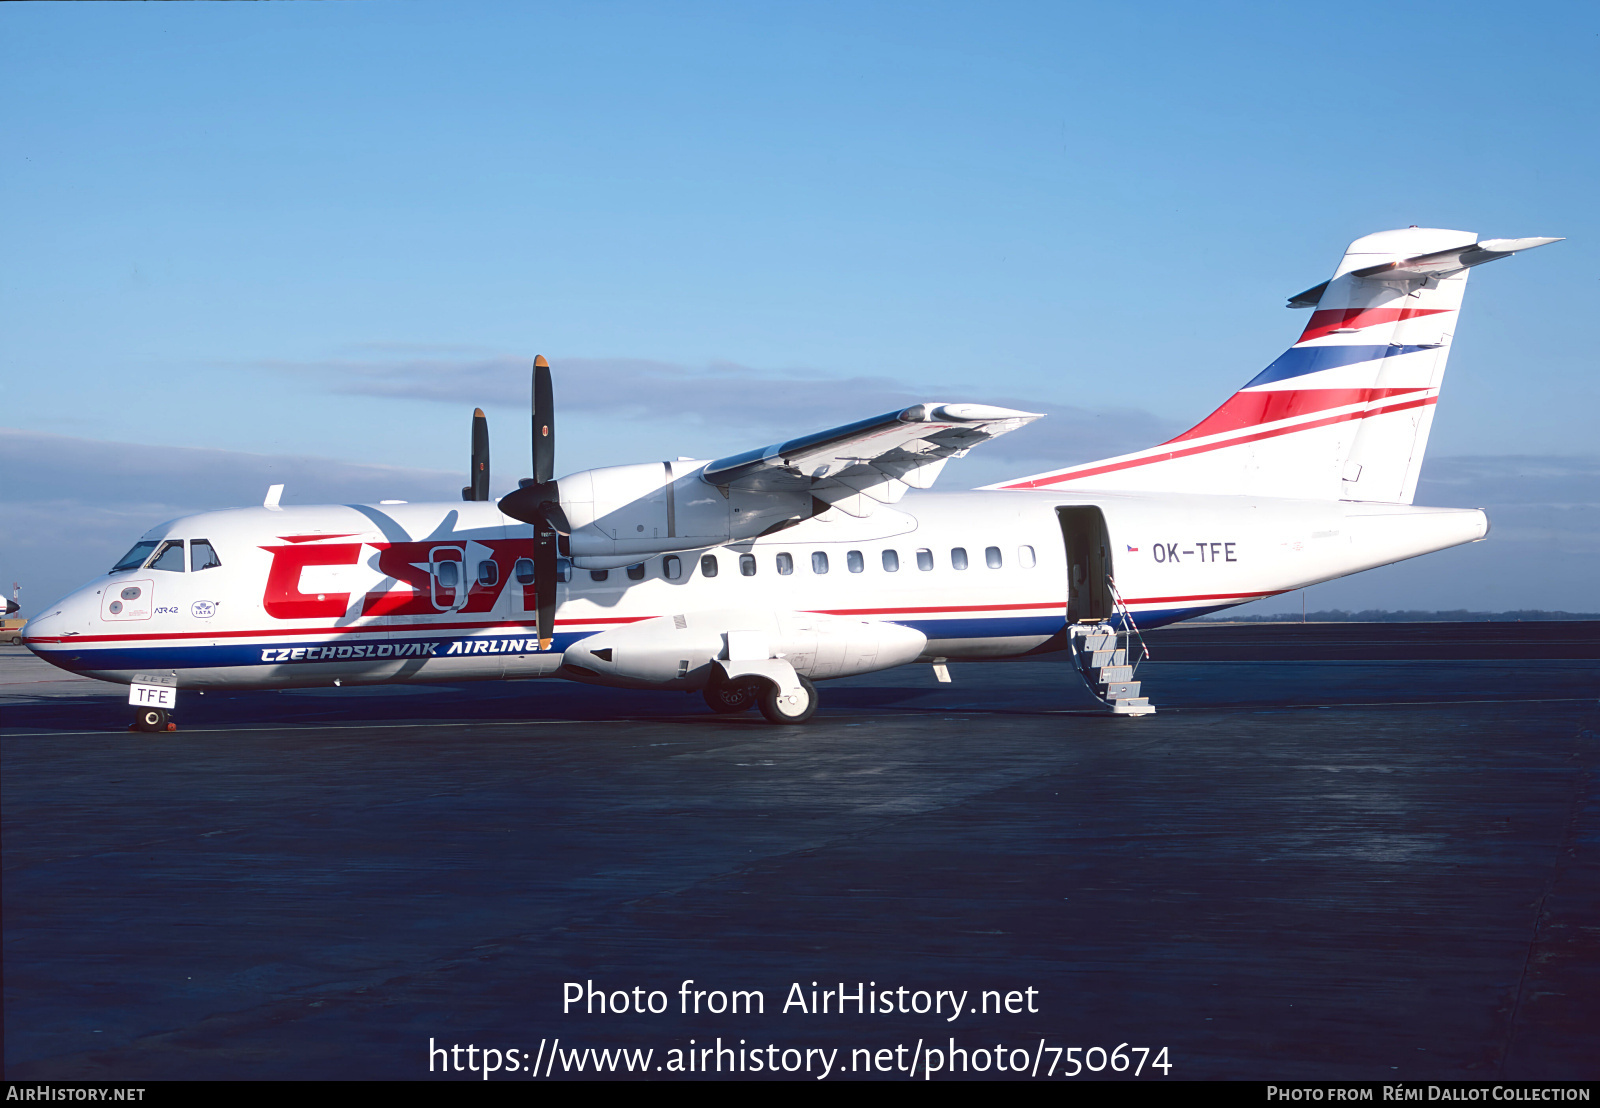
<point x="1460" y="615"/>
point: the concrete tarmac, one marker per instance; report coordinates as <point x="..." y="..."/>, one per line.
<point x="1378" y="867"/>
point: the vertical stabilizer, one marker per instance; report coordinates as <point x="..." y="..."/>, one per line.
<point x="1344" y="413"/>
<point x="1399" y="325"/>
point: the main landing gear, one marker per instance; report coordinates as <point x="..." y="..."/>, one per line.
<point x="795" y="706"/>
<point x="727" y="698"/>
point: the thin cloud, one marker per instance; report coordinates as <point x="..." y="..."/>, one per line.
<point x="773" y="404"/>
<point x="1568" y="482"/>
<point x="43" y="468"/>
<point x="1551" y="503"/>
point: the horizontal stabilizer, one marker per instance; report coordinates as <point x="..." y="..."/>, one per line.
<point x="1310" y="297"/>
<point x="1438" y="263"/>
<point x="1442" y="263"/>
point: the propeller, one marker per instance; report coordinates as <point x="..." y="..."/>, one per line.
<point x="538" y="502"/>
<point x="479" y="489"/>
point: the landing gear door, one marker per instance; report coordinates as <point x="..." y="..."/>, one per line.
<point x="1088" y="545"/>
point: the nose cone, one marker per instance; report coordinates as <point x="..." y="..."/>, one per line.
<point x="52" y="634"/>
<point x="46" y="628"/>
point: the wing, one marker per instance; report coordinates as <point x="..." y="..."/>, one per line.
<point x="871" y="461"/>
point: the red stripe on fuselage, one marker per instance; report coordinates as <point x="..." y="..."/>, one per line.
<point x="939" y="609"/>
<point x="1051" y="482"/>
<point x="367" y="629"/>
<point x="936" y="608"/>
<point x="371" y="629"/>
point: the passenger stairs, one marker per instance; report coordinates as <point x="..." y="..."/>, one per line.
<point x="1106" y="655"/>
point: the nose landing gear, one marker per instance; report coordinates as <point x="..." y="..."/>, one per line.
<point x="153" y="719"/>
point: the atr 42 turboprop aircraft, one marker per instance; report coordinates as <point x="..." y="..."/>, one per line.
<point x="750" y="577"/>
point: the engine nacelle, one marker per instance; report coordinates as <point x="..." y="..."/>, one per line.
<point x="681" y="651"/>
<point x="621" y="514"/>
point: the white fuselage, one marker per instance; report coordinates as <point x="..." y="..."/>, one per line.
<point x="363" y="594"/>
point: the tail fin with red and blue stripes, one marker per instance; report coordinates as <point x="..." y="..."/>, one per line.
<point x="1344" y="413"/>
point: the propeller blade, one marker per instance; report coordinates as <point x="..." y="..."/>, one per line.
<point x="544" y="423"/>
<point x="535" y="495"/>
<point x="545" y="552"/>
<point x="479" y="489"/>
<point x="537" y="501"/>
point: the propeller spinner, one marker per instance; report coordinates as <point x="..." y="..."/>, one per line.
<point x="538" y="502"/>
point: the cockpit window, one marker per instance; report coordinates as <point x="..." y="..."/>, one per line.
<point x="202" y="556"/>
<point x="171" y="556"/>
<point x="134" y="558"/>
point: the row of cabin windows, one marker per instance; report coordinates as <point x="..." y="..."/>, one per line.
<point x="854" y="560"/>
<point x="167" y="554"/>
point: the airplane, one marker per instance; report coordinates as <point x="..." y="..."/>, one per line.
<point x="750" y="578"/>
<point x="9" y="606"/>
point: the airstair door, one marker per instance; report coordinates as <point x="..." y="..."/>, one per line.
<point x="1089" y="599"/>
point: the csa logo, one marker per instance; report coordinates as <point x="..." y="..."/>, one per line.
<point x="203" y="609"/>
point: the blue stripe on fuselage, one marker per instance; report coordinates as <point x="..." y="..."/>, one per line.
<point x="117" y="657"/>
<point x="353" y="649"/>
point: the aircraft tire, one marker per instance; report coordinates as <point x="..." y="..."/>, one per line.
<point x="727" y="697"/>
<point x="778" y="712"/>
<point x="150" y="719"/>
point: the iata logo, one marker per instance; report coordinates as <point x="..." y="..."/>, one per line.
<point x="203" y="609"/>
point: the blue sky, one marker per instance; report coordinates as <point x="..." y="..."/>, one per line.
<point x="326" y="231"/>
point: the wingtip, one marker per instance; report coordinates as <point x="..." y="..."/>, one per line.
<point x="973" y="413"/>
<point x="477" y="413"/>
<point x="1512" y="246"/>
<point x="540" y="363"/>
